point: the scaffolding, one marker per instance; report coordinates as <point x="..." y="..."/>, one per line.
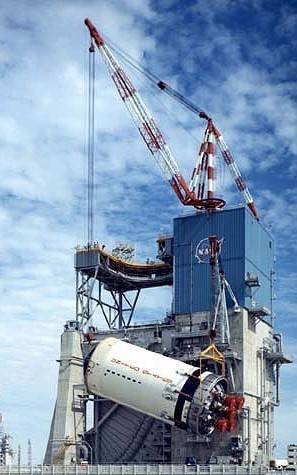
<point x="110" y="286"/>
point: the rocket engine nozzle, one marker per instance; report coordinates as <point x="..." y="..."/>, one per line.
<point x="232" y="407"/>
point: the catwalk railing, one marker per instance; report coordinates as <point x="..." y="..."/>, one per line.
<point x="143" y="469"/>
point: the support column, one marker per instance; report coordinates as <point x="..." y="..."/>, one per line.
<point x="68" y="420"/>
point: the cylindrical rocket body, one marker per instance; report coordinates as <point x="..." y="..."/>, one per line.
<point x="162" y="387"/>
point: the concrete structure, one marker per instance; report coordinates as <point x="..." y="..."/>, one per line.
<point x="252" y="360"/>
<point x="68" y="422"/>
<point x="121" y="434"/>
<point x="253" y="354"/>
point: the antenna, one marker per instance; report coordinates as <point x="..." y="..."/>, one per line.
<point x="29" y="453"/>
<point x="19" y="457"/>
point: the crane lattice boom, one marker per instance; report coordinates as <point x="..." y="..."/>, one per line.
<point x="200" y="192"/>
<point x="144" y="121"/>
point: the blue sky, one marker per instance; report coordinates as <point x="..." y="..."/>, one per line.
<point x="235" y="59"/>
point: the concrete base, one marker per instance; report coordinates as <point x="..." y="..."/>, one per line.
<point x="68" y="421"/>
<point x="123" y="435"/>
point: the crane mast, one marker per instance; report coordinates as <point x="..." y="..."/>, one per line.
<point x="200" y="193"/>
<point x="211" y="129"/>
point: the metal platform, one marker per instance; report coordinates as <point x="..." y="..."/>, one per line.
<point x="119" y="275"/>
<point x="112" y="285"/>
<point x="278" y="357"/>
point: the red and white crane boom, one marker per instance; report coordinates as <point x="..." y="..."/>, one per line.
<point x="144" y="121"/>
<point x="200" y="191"/>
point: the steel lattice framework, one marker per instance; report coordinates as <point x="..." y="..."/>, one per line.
<point x="92" y="298"/>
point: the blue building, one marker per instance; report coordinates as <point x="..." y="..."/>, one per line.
<point x="247" y="256"/>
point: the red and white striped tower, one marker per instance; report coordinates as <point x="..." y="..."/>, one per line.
<point x="197" y="179"/>
<point x="210" y="166"/>
<point x="203" y="178"/>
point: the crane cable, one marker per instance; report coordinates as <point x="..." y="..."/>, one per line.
<point x="155" y="82"/>
<point x="91" y="133"/>
<point x="131" y="61"/>
<point x="152" y="77"/>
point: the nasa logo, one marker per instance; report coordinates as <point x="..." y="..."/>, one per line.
<point x="203" y="250"/>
